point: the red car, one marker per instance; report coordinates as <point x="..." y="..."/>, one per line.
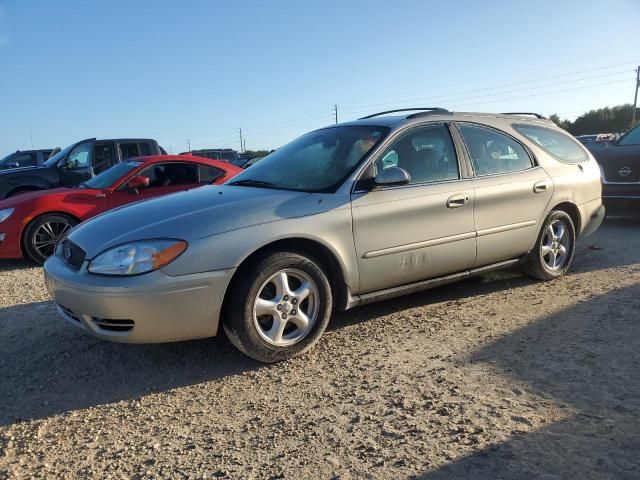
<point x="32" y="223"/>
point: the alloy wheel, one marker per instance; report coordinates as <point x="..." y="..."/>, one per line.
<point x="556" y="245"/>
<point x="286" y="307"/>
<point x="47" y="235"/>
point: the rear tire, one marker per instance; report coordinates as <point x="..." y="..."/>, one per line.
<point x="42" y="234"/>
<point x="278" y="308"/>
<point x="553" y="253"/>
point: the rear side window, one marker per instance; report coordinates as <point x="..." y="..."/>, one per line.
<point x="557" y="144"/>
<point x="493" y="152"/>
<point x="209" y="174"/>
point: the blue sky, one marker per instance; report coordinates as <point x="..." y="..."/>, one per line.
<point x="199" y="70"/>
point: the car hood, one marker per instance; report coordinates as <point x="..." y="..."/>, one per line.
<point x="17" y="200"/>
<point x="197" y="213"/>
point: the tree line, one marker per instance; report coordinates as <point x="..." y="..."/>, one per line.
<point x="603" y="120"/>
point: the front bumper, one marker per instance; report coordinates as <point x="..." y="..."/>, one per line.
<point x="622" y="198"/>
<point x="150" y="308"/>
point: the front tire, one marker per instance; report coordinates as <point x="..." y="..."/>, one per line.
<point x="278" y="308"/>
<point x="554" y="249"/>
<point x="42" y="234"/>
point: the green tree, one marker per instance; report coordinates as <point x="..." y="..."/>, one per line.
<point x="603" y="120"/>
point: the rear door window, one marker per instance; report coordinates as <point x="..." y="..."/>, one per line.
<point x="555" y="143"/>
<point x="145" y="149"/>
<point x="103" y="157"/>
<point x="129" y="150"/>
<point x="493" y="152"/>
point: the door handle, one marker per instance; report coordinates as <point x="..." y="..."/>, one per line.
<point x="459" y="200"/>
<point x="100" y="195"/>
<point x="542" y="186"/>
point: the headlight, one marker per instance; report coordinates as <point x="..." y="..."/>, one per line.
<point x="6" y="213"/>
<point x="137" y="257"/>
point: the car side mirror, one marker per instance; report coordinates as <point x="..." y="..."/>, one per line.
<point x="11" y="165"/>
<point x="136" y="183"/>
<point x="392" y="176"/>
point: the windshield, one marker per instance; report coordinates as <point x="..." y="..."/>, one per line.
<point x="111" y="175"/>
<point x="319" y="161"/>
<point x="4" y="159"/>
<point x="631" y="138"/>
<point x="57" y="157"/>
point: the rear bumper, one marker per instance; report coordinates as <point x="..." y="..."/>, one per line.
<point x="591" y="214"/>
<point x="149" y="308"/>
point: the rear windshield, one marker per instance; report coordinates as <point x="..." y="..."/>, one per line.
<point x="557" y="144"/>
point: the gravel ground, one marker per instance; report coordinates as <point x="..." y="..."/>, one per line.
<point x="495" y="377"/>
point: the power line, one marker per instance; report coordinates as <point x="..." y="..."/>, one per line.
<point x="358" y="107"/>
<point x="541" y="93"/>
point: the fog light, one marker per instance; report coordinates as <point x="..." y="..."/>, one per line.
<point x="2" y="236"/>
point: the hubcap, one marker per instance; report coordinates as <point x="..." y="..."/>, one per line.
<point x="286" y="307"/>
<point x="47" y="235"/>
<point x="556" y="245"/>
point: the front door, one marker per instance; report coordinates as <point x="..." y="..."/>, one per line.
<point x="421" y="230"/>
<point x="164" y="178"/>
<point x="76" y="168"/>
<point x="511" y="194"/>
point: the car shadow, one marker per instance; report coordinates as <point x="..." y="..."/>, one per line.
<point x="586" y="358"/>
<point x="12" y="265"/>
<point x="48" y="367"/>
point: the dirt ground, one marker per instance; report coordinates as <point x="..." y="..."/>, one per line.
<point x="495" y="377"/>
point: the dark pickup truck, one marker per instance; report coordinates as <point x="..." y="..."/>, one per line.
<point x="620" y="166"/>
<point x="75" y="164"/>
<point x="27" y="158"/>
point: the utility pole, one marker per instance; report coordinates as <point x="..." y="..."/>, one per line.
<point x="241" y="141"/>
<point x="335" y="111"/>
<point x="31" y="137"/>
<point x="635" y="99"/>
<point x="189" y="144"/>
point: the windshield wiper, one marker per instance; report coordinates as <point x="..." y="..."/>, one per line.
<point x="249" y="182"/>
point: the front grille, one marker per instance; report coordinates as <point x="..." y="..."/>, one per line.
<point x="72" y="254"/>
<point x="624" y="172"/>
<point x="113" y="325"/>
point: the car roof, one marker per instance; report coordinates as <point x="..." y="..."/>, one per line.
<point x="183" y="158"/>
<point x="396" y="121"/>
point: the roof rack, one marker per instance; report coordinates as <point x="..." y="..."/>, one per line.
<point x="537" y="115"/>
<point x="426" y="109"/>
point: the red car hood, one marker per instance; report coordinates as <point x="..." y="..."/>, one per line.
<point x="29" y="197"/>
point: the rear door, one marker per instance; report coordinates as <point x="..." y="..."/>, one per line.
<point x="511" y="193"/>
<point x="408" y="233"/>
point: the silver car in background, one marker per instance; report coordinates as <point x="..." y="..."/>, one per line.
<point x="353" y="213"/>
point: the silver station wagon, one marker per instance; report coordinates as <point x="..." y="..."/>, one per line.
<point x="386" y="205"/>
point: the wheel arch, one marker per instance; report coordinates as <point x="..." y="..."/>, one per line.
<point x="315" y="249"/>
<point x="572" y="210"/>
<point x="33" y="218"/>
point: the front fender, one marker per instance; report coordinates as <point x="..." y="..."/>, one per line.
<point x="227" y="250"/>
